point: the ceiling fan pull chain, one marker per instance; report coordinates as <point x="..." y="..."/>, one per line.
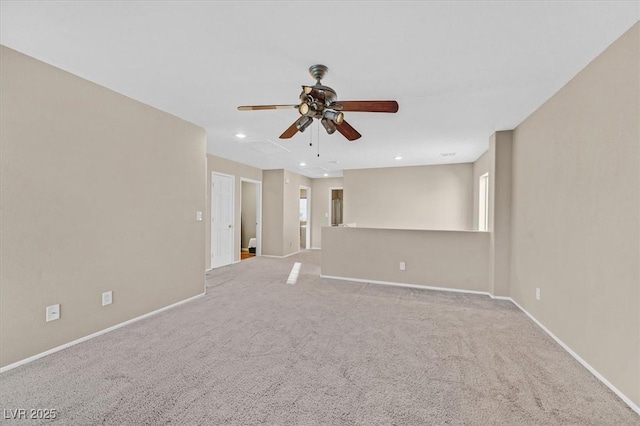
<point x="310" y="137"/>
<point x="318" y="139"/>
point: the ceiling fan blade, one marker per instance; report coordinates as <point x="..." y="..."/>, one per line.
<point x="348" y="131"/>
<point x="263" y="107"/>
<point x="292" y="130"/>
<point x="368" y="106"/>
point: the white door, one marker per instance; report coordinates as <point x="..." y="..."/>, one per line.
<point x="221" y="219"/>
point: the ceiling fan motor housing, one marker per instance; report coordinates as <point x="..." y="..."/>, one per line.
<point x="317" y="103"/>
<point x="318" y="71"/>
<point x="317" y="99"/>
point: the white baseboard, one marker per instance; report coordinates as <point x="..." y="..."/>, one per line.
<point x="500" y="297"/>
<point x="281" y="257"/>
<point x="584" y="363"/>
<point x="316" y="248"/>
<point x="96" y="334"/>
<point x="208" y="270"/>
<point x="577" y="357"/>
<point x="423" y="287"/>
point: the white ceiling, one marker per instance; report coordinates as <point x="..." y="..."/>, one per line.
<point x="459" y="70"/>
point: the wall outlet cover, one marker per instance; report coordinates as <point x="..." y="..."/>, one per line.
<point x="53" y="312"/>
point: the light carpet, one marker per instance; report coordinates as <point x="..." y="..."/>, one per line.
<point x="256" y="350"/>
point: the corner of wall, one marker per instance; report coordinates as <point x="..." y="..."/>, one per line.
<point x="500" y="176"/>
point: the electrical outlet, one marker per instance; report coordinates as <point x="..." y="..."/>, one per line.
<point x="403" y="266"/>
<point x="53" y="312"/>
<point x="537" y="293"/>
<point x="107" y="298"/>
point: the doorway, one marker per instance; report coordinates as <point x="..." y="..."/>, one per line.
<point x="250" y="218"/>
<point x="222" y="199"/>
<point x="336" y="206"/>
<point x="305" y="217"/>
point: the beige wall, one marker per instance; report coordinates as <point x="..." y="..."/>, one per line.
<point x="449" y="259"/>
<point x="281" y="207"/>
<point x="575" y="230"/>
<point x="248" y="211"/>
<point x="238" y="170"/>
<point x="500" y="177"/>
<point x="420" y="197"/>
<point x="272" y="212"/>
<point x="99" y="192"/>
<point x="321" y="206"/>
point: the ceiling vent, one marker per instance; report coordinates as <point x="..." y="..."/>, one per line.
<point x="316" y="171"/>
<point x="263" y="146"/>
<point x="332" y="166"/>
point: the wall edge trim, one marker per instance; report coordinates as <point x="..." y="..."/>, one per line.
<point x="96" y="334"/>
<point x="584" y="363"/>
<point x="280" y="257"/>
<point x="564" y="346"/>
<point x="500" y="297"/>
<point x="397" y="284"/>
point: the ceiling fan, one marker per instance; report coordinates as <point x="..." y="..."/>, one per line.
<point x="320" y="102"/>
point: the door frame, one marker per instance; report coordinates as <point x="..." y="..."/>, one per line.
<point x="233" y="219"/>
<point x="483" y="203"/>
<point x="258" y="212"/>
<point x="307" y="246"/>
<point x="331" y="189"/>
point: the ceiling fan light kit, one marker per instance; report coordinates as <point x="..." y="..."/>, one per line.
<point x="303" y="122"/>
<point x="320" y="102"/>
<point x="336" y="116"/>
<point x="328" y="125"/>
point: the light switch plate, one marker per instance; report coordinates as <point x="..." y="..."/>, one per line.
<point x="107" y="298"/>
<point x="198" y="215"/>
<point x="403" y="266"/>
<point x="53" y="312"/>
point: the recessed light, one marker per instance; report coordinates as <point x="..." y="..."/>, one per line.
<point x="240" y="135"/>
<point x="303" y="164"/>
<point x="397" y="157"/>
<point x="326" y="174"/>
